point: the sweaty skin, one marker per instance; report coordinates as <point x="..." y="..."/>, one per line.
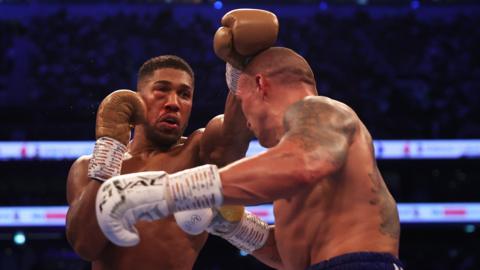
<point x="158" y="249"/>
<point x="320" y="169"/>
<point x="329" y="196"/>
<point x="164" y="245"/>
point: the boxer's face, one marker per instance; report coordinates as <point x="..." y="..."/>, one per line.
<point x="168" y="95"/>
<point x="260" y="114"/>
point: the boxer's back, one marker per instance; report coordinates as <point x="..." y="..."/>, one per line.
<point x="350" y="211"/>
<point x="162" y="241"/>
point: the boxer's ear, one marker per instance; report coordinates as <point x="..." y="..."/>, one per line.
<point x="262" y="85"/>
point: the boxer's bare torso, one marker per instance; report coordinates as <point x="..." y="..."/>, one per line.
<point x="163" y="244"/>
<point x="329" y="196"/>
<point x="351" y="211"/>
<point x="165" y="85"/>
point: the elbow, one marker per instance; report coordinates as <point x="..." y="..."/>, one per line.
<point x="85" y="250"/>
<point x="223" y="156"/>
<point x="305" y="177"/>
<point x="217" y="157"/>
<point x="83" y="246"/>
<point x="213" y="157"/>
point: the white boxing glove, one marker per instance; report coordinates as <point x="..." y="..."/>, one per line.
<point x="194" y="222"/>
<point x="124" y="199"/>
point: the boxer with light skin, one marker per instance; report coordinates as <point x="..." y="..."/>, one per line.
<point x="320" y="172"/>
<point x="331" y="205"/>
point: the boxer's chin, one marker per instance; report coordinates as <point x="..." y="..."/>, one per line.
<point x="163" y="138"/>
<point x="268" y="142"/>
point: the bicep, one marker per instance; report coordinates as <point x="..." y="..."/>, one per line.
<point x="226" y="136"/>
<point x="276" y="173"/>
<point x="221" y="145"/>
<point x="209" y="139"/>
<point x="82" y="230"/>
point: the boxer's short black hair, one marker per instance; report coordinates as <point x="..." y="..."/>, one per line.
<point x="164" y="61"/>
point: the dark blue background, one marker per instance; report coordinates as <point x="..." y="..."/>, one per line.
<point x="408" y="73"/>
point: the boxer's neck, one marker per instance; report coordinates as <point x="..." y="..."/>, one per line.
<point x="280" y="106"/>
<point x="283" y="102"/>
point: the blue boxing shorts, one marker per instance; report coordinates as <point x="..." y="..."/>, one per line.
<point x="360" y="261"/>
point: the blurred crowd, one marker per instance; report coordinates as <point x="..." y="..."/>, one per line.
<point x="405" y="77"/>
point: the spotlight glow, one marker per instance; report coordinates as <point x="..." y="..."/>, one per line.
<point x="470" y="228"/>
<point x="218" y="5"/>
<point x="415" y="4"/>
<point x="323" y="5"/>
<point x="19" y="238"/>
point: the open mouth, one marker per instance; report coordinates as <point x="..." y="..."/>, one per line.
<point x="170" y="122"/>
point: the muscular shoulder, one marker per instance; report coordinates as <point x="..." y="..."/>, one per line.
<point x="194" y="138"/>
<point x="77" y="177"/>
<point x="192" y="142"/>
<point x="81" y="163"/>
<point x="315" y="114"/>
<point x="321" y="124"/>
<point x="315" y="107"/>
<point x="79" y="168"/>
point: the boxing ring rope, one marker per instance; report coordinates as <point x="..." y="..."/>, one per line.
<point x="384" y="149"/>
<point x="45" y="216"/>
<point x="54" y="216"/>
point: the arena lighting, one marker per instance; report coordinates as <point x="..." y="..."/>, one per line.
<point x="19" y="238"/>
<point x="467" y="214"/>
<point x="362" y="2"/>
<point x="470" y="228"/>
<point x="218" y="4"/>
<point x="323" y="5"/>
<point x="412" y="149"/>
<point x="243" y="253"/>
<point x="384" y="149"/>
<point x="415" y="4"/>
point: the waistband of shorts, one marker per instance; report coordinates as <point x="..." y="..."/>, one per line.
<point x="358" y="257"/>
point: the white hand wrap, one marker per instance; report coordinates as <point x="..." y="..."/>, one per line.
<point x="231" y="75"/>
<point x="194" y="222"/>
<point x="249" y="235"/>
<point x="195" y="188"/>
<point x="106" y="160"/>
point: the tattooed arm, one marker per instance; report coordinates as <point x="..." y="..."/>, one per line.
<point x="318" y="134"/>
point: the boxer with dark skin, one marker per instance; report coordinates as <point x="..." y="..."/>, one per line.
<point x="331" y="204"/>
<point x="333" y="210"/>
<point x="160" y="111"/>
<point x="166" y="86"/>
